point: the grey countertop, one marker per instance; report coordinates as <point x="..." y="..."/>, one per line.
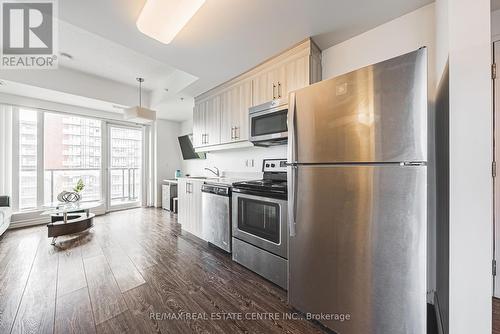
<point x="218" y="180"/>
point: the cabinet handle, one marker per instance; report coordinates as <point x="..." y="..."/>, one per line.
<point x="279" y="89"/>
<point x="236" y="132"/>
<point x="207" y="139"/>
<point x="232" y="133"/>
<point x="274" y="87"/>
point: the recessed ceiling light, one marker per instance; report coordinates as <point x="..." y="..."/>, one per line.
<point x="66" y="55"/>
<point x="163" y="19"/>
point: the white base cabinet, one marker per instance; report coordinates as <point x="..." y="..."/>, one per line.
<point x="189" y="201"/>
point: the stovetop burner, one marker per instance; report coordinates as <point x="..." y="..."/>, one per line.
<point x="274" y="179"/>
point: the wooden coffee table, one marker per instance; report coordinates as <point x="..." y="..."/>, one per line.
<point x="69" y="218"/>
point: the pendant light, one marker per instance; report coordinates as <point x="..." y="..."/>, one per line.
<point x="139" y="114"/>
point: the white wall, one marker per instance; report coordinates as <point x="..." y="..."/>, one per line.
<point x="167" y="156"/>
<point x="232" y="161"/>
<point x="404" y="34"/>
<point x="470" y="236"/>
<point x="399" y="36"/>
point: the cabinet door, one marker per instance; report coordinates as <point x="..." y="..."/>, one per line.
<point x="297" y="74"/>
<point x="182" y="202"/>
<point x="279" y="81"/>
<point x="241" y="113"/>
<point x="229" y="102"/>
<point x="199" y="124"/>
<point x="188" y="207"/>
<point x="264" y="88"/>
<point x="197" y="227"/>
<point x="212" y="121"/>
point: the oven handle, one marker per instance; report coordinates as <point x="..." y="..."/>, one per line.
<point x="291" y="167"/>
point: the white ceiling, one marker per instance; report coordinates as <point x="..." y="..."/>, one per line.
<point x="227" y="37"/>
<point x="223" y="39"/>
<point x="102" y="57"/>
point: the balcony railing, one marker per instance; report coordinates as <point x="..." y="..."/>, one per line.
<point x="129" y="185"/>
<point x="125" y="183"/>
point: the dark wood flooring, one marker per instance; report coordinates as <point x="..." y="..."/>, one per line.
<point x="496" y="316"/>
<point x="131" y="272"/>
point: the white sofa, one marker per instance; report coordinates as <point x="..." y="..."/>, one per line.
<point x="5" y="214"/>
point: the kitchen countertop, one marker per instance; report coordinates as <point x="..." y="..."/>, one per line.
<point x="228" y="181"/>
<point x="173" y="181"/>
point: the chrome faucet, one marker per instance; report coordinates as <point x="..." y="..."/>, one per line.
<point x="216" y="172"/>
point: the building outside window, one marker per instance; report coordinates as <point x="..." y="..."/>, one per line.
<point x="28" y="132"/>
<point x="57" y="150"/>
<point x="72" y="151"/>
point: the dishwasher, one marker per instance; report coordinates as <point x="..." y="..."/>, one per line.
<point x="216" y="215"/>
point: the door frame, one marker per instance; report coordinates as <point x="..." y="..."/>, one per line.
<point x="107" y="179"/>
<point x="496" y="153"/>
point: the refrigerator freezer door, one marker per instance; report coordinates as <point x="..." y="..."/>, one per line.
<point x="360" y="247"/>
<point x="375" y="114"/>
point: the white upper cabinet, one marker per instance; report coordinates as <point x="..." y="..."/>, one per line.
<point x="221" y="114"/>
<point x="206" y="122"/>
<point x="234" y="115"/>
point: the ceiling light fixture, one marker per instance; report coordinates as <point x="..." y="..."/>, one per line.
<point x="139" y="114"/>
<point x="163" y="19"/>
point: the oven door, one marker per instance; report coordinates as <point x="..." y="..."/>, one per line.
<point x="261" y="221"/>
<point x="269" y="124"/>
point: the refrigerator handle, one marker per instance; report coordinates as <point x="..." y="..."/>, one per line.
<point x="292" y="168"/>
<point x="292" y="198"/>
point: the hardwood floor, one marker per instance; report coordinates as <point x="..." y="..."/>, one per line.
<point x="131" y="272"/>
<point x="496" y="316"/>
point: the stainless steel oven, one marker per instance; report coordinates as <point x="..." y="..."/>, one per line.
<point x="268" y="123"/>
<point x="261" y="221"/>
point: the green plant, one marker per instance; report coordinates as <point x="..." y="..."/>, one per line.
<point x="79" y="186"/>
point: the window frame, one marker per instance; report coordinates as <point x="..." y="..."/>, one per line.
<point x="29" y="215"/>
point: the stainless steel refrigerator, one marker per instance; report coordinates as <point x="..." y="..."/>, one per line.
<point x="357" y="198"/>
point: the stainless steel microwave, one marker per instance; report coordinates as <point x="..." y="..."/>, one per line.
<point x="268" y="123"/>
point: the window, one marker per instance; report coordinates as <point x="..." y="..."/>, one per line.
<point x="72" y="151"/>
<point x="125" y="164"/>
<point x="56" y="150"/>
<point x="28" y="131"/>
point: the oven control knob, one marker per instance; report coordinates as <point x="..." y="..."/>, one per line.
<point x="273" y="165"/>
<point x="267" y="165"/>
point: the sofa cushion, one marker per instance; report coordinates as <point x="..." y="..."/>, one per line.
<point x="5" y="214"/>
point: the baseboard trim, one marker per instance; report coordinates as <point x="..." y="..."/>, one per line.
<point x="438" y="314"/>
<point x="43" y="220"/>
<point x="29" y="222"/>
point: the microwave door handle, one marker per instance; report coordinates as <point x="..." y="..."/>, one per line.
<point x="292" y="167"/>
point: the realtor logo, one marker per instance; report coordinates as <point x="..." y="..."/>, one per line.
<point x="28" y="34"/>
